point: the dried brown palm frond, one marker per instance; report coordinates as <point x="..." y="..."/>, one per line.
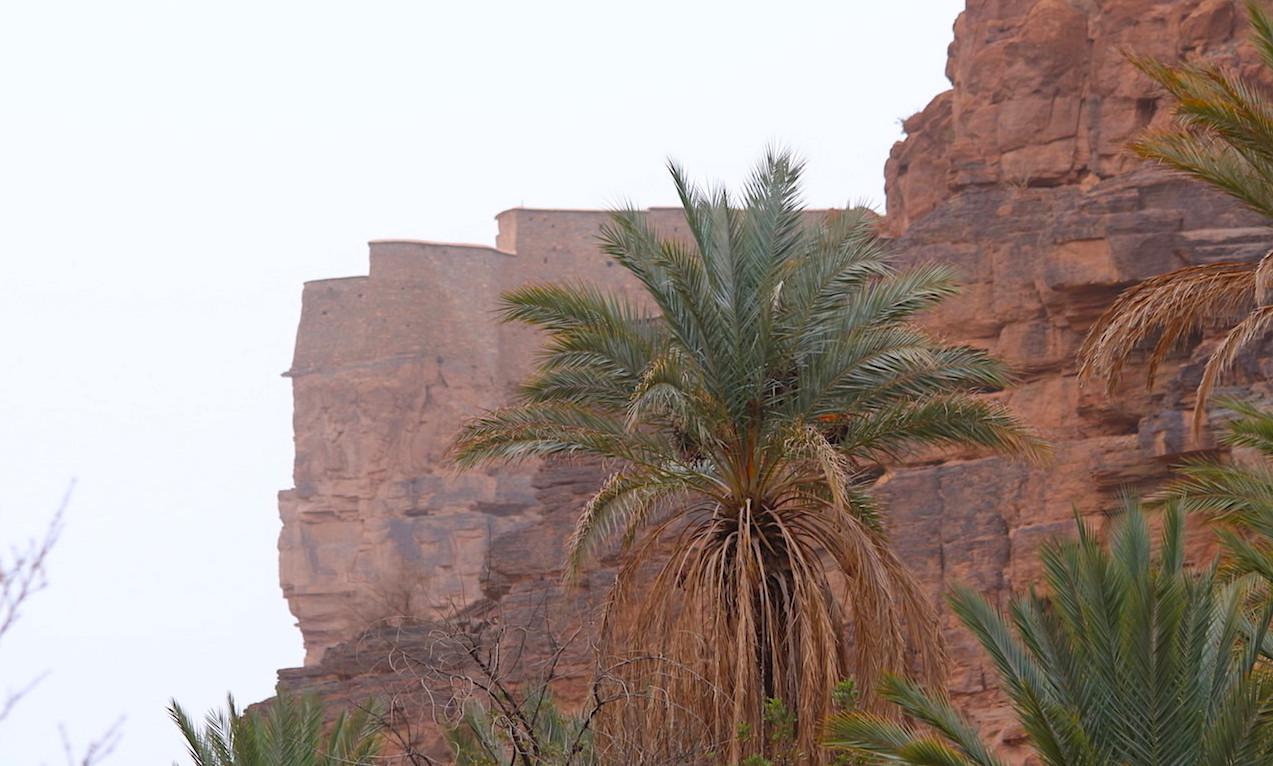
<point x="784" y="363"/>
<point x="800" y="573"/>
<point x="1222" y="136"/>
<point x="1254" y="327"/>
<point x="1166" y="310"/>
<point x="1171" y="308"/>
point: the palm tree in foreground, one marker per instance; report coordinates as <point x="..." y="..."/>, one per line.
<point x="1133" y="660"/>
<point x="289" y="732"/>
<point x="1224" y="137"/>
<point x="741" y="418"/>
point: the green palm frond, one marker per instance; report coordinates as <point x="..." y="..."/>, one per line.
<point x="289" y="732"/>
<point x="1131" y="659"/>
<point x="536" y="430"/>
<point x="772" y="362"/>
<point x="1236" y="495"/>
<point x="958" y="419"/>
<point x="1253" y="426"/>
<point x="1224" y="130"/>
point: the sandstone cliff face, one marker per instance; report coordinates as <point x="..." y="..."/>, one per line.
<point x="1039" y="265"/>
<point x="1044" y="94"/>
<point x="387" y="366"/>
<point x="1017" y="177"/>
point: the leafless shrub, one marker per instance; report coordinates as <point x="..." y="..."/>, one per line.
<point x="398" y="596"/>
<point x="96" y="751"/>
<point x="23" y="574"/>
<point x="483" y="659"/>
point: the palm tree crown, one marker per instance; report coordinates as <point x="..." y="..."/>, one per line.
<point x="741" y="416"/>
<point x="1132" y="660"/>
<point x="1223" y="136"/>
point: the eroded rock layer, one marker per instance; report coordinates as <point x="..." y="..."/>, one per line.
<point x="1018" y="177"/>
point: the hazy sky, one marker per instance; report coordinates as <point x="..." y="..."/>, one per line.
<point x="171" y="172"/>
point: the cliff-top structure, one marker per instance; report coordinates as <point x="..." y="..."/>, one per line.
<point x="1018" y="177"/>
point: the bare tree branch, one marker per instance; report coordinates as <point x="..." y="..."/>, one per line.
<point x="22" y="571"/>
<point x="22" y="575"/>
<point x="97" y="750"/>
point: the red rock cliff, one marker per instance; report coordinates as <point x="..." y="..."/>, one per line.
<point x="1017" y="176"/>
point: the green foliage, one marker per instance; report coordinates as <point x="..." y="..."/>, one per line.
<point x="289" y="732"/>
<point x="1236" y="496"/>
<point x="770" y="363"/>
<point x="537" y="734"/>
<point x="1224" y="122"/>
<point x="781" y="725"/>
<point x="1133" y="660"/>
<point x="845" y="696"/>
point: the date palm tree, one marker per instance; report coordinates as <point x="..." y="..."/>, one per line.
<point x="1132" y="660"/>
<point x="289" y="733"/>
<point x="1223" y="136"/>
<point x="742" y="410"/>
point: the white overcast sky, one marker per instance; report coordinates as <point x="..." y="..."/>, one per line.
<point x="171" y="172"/>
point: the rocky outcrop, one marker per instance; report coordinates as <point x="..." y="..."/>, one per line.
<point x="383" y="543"/>
<point x="1039" y="264"/>
<point x="1017" y="177"/>
<point x="1045" y="95"/>
<point x="387" y="366"/>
